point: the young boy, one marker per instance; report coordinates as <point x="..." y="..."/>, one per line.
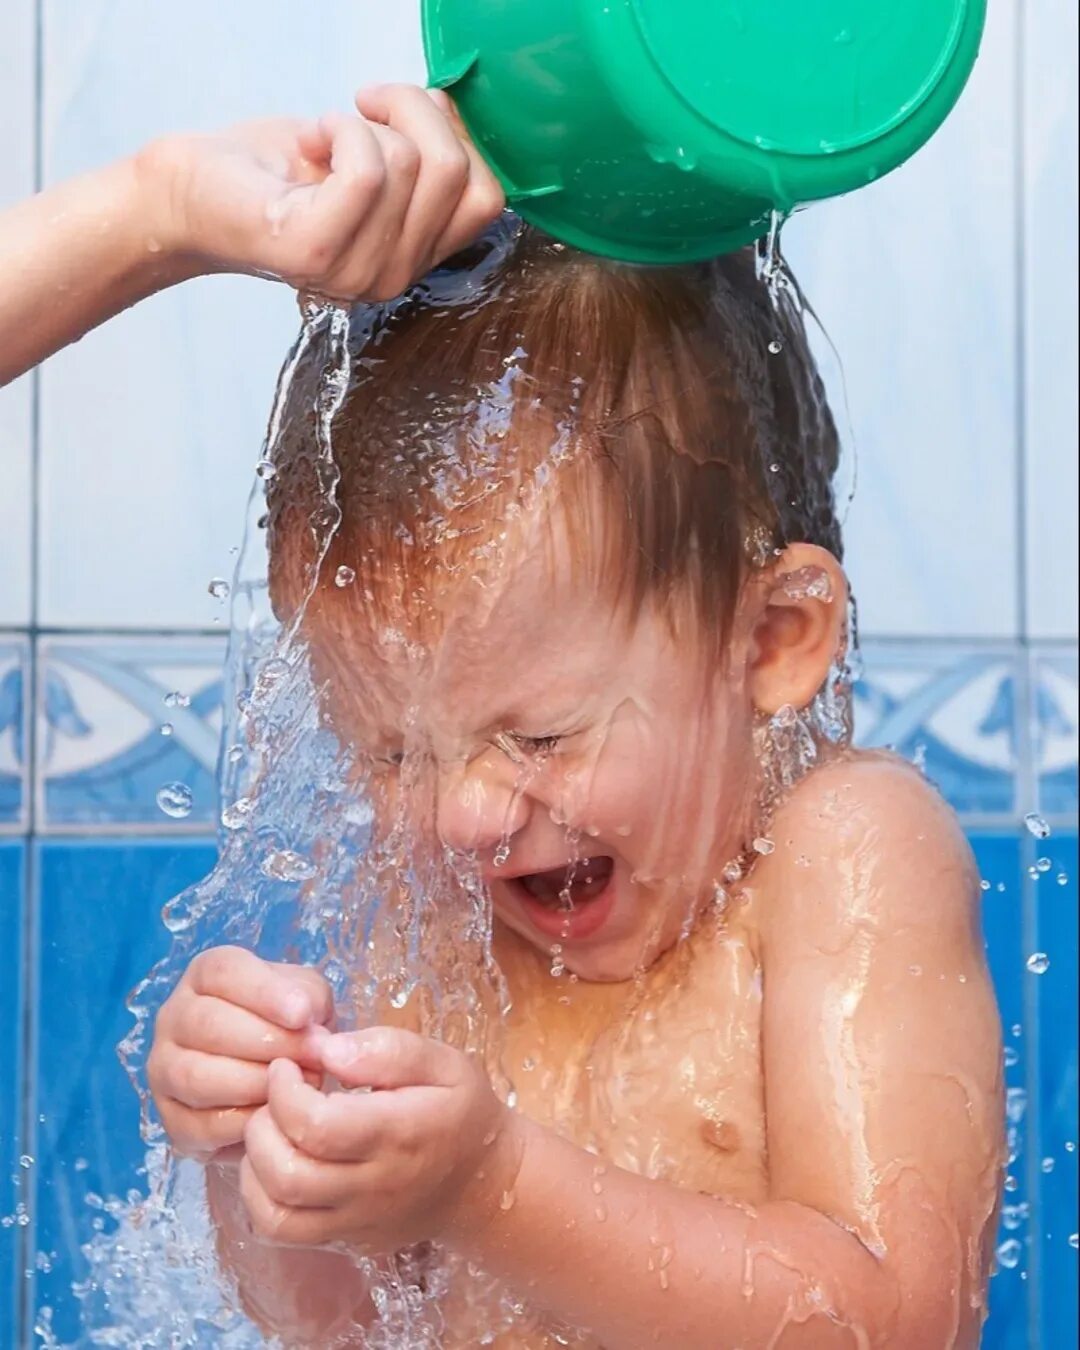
<point x="767" y="1109"/>
<point x="591" y="561"/>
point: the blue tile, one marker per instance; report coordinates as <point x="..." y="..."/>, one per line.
<point x="12" y="1177"/>
<point x="999" y="857"/>
<point x="1056" y="917"/>
<point x="14" y="711"/>
<point x="954" y="708"/>
<point x="99" y="933"/>
<point x="102" y="754"/>
<point x="1054" y="730"/>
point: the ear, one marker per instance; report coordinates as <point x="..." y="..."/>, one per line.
<point x="798" y="629"/>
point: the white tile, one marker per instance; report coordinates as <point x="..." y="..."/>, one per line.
<point x="17" y="117"/>
<point x="151" y="425"/>
<point x="1050" y="273"/>
<point x="914" y="279"/>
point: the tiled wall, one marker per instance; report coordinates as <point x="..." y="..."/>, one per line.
<point x="949" y="290"/>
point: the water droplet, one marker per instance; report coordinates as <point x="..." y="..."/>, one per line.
<point x="1015" y="1216"/>
<point x="601" y="1213"/>
<point x="776" y="347"/>
<point x="285" y="865"/>
<point x="26" y="1160"/>
<point x="266" y="470"/>
<point x="236" y="754"/>
<point x="81" y="1164"/>
<point x="1036" y="825"/>
<point x="166" y="728"/>
<point x="763" y="846"/>
<point x="914" y="970"/>
<point x="1070" y="1147"/>
<point x="774" y="468"/>
<point x="1011" y="1057"/>
<point x="1062" y="878"/>
<point x="1038" y="963"/>
<point x="1047" y="1165"/>
<point x="1011" y="1183"/>
<point x="177" y="700"/>
<point x="344" y="576"/>
<point x="1015" y="1104"/>
<point x="176" y="800"/>
<point x="1016" y="1029"/>
<point x="1043" y="865"/>
<point x="984" y="885"/>
<point x="1009" y="1254"/>
<point x="1074" y="1240"/>
<point x="506" y="1201"/>
<point x="235" y="817"/>
<point x="501" y="855"/>
<point x="218" y="588"/>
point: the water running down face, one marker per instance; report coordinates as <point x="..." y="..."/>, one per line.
<point x="599" y="774"/>
<point x="560" y="484"/>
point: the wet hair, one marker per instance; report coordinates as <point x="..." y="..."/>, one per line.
<point x="675" y="414"/>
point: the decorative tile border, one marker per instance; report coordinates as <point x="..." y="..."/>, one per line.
<point x="1054" y="694"/>
<point x="14" y="734"/>
<point x="107" y="740"/>
<point x="954" y="709"/>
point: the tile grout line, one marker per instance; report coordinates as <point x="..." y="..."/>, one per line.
<point x="1026" y="709"/>
<point x="24" y="1308"/>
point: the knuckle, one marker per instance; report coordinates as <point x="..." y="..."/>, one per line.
<point x="202" y="1022"/>
<point x="312" y="1134"/>
<point x="215" y="963"/>
<point x="402" y="156"/>
<point x="452" y="167"/>
<point x="183" y="1079"/>
<point x="286" y="1186"/>
<point x="368" y="180"/>
<point x="488" y="200"/>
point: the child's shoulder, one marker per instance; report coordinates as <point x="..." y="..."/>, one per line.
<point x="867" y="837"/>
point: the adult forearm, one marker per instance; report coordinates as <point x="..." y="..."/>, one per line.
<point x="75" y="255"/>
<point x="641" y="1263"/>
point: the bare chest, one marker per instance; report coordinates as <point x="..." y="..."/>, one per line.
<point x="664" y="1079"/>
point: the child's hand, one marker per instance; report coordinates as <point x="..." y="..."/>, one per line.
<point x="429" y="1151"/>
<point x="216" y="1035"/>
<point x="347" y="207"/>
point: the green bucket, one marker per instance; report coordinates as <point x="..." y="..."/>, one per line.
<point x="664" y="131"/>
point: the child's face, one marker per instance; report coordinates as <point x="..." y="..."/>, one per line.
<point x="600" y="779"/>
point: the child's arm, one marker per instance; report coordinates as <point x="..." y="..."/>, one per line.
<point x="884" y="1105"/>
<point x="348" y="207"/>
<point x="884" y="1112"/>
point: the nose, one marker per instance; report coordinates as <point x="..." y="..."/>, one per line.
<point x="479" y="806"/>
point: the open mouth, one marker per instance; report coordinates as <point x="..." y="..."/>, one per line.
<point x="570" y="886"/>
<point x="571" y="902"/>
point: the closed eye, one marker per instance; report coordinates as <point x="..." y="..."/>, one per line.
<point x="536" y="745"/>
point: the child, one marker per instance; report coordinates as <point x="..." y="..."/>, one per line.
<point x="592" y="578"/>
<point x="767" y="1111"/>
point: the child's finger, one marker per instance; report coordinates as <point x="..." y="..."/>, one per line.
<point x="333" y="1127"/>
<point x="291" y="996"/>
<point x="389" y="1057"/>
<point x="288" y="1175"/>
<point x="206" y="1081"/>
<point x="202" y="1134"/>
<point x="216" y="1027"/>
